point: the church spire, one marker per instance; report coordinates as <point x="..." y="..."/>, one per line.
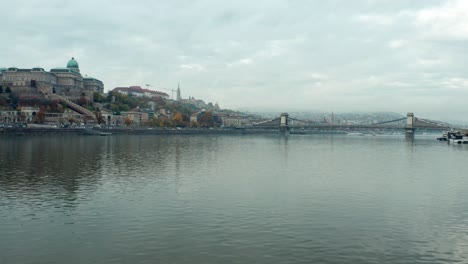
<point x="179" y="98"/>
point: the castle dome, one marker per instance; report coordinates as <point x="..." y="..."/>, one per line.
<point x="72" y="64"/>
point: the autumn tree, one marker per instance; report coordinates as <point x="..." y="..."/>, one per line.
<point x="177" y="120"/>
<point x="40" y="116"/>
<point x="128" y="121"/>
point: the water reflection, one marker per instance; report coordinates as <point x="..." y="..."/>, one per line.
<point x="409" y="146"/>
<point x="244" y="199"/>
<point x="49" y="167"/>
<point x="283" y="145"/>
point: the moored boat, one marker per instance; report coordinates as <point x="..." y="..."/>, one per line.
<point x="455" y="137"/>
<point x="443" y="137"/>
<point x="355" y="134"/>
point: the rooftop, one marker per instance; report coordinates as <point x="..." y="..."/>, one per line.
<point x="61" y="69"/>
<point x="72" y="63"/>
<point x="138" y="89"/>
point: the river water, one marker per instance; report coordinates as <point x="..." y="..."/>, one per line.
<point x="232" y="199"/>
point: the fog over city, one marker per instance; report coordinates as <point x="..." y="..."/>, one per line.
<point x="343" y="56"/>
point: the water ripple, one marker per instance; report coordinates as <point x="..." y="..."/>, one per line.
<point x="236" y="199"/>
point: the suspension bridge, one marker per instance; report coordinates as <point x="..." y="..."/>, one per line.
<point x="409" y="124"/>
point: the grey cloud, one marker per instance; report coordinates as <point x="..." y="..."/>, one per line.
<point x="343" y="55"/>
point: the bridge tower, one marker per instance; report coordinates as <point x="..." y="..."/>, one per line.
<point x="409" y="124"/>
<point x="284" y="127"/>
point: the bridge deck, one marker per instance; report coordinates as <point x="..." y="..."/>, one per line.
<point x="390" y="124"/>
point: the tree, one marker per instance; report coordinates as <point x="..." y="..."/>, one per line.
<point x="82" y="101"/>
<point x="1" y="89"/>
<point x="72" y="120"/>
<point x="128" y="121"/>
<point x="3" y="102"/>
<point x="207" y="120"/>
<point x="22" y="117"/>
<point x="40" y="116"/>
<point x="152" y="122"/>
<point x="101" y="119"/>
<point x="124" y="108"/>
<point x="8" y="90"/>
<point x="98" y="98"/>
<point x="114" y="108"/>
<point x="109" y="97"/>
<point x="163" y="122"/>
<point x="177" y="119"/>
<point x="194" y="124"/>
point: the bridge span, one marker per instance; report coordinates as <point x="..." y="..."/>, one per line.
<point x="409" y="124"/>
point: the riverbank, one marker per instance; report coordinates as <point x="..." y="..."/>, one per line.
<point x="37" y="131"/>
<point x="28" y="131"/>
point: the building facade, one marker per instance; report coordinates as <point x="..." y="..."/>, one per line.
<point x="137" y="91"/>
<point x="234" y="121"/>
<point x="38" y="83"/>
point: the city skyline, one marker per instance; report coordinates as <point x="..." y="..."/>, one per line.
<point x="398" y="56"/>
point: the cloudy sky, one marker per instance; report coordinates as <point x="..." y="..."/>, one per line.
<point x="314" y="55"/>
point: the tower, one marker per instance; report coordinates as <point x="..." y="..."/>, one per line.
<point x="409" y="125"/>
<point x="284" y="126"/>
<point x="73" y="65"/>
<point x="179" y="98"/>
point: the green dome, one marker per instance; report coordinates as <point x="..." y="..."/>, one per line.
<point x="72" y="63"/>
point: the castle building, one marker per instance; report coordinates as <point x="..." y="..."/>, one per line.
<point x="137" y="91"/>
<point x="38" y="83"/>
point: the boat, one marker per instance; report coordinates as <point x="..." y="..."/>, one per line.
<point x="455" y="137"/>
<point x="355" y="134"/>
<point x="90" y="131"/>
<point x="459" y="140"/>
<point x="443" y="137"/>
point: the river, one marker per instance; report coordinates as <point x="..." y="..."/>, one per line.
<point x="232" y="199"/>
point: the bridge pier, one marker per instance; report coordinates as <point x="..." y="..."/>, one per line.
<point x="409" y="125"/>
<point x="284" y="127"/>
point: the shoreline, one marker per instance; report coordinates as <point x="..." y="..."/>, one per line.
<point x="29" y="131"/>
<point x="6" y="132"/>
